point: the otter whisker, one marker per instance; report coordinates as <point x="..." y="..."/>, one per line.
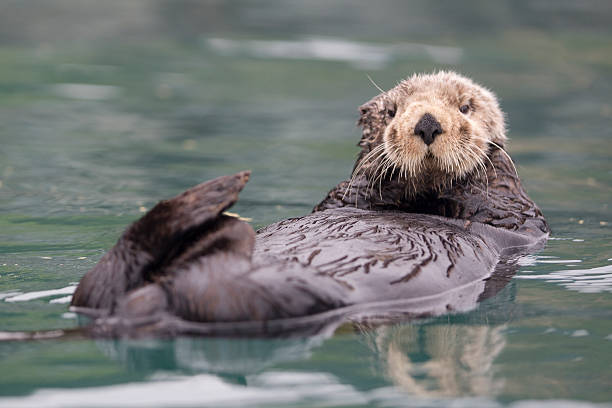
<point x="466" y="159"/>
<point x="503" y="151"/>
<point x="377" y="174"/>
<point x="372" y="156"/>
<point x="486" y="156"/>
<point x="390" y="168"/>
<point x="480" y="166"/>
<point x="444" y="162"/>
<point x="388" y="164"/>
<point x="365" y="160"/>
<point x="507" y="155"/>
<point x="375" y="84"/>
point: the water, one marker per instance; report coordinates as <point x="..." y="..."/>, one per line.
<point x="105" y="108"/>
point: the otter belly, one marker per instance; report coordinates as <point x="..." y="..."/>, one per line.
<point x="380" y="256"/>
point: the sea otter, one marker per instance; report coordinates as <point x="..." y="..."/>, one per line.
<point x="432" y="206"/>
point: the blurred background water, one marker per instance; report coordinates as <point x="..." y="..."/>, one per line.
<point x="107" y="107"/>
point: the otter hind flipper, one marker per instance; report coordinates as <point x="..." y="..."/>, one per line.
<point x="198" y="283"/>
<point x="175" y="230"/>
<point x="178" y="216"/>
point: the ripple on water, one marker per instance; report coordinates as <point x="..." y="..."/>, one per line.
<point x="360" y="54"/>
<point x="593" y="280"/>
<point x="27" y="296"/>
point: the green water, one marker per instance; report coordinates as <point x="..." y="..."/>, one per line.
<point x="107" y="107"/>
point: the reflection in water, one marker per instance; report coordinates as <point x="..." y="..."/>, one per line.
<point x="233" y="357"/>
<point x="440" y="360"/>
<point x="434" y="358"/>
<point x="424" y="360"/>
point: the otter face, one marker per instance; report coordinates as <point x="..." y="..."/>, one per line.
<point x="430" y="130"/>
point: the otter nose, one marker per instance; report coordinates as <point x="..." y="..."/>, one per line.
<point x="428" y="128"/>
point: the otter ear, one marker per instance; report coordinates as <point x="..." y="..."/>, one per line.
<point x="366" y="110"/>
<point x="372" y="121"/>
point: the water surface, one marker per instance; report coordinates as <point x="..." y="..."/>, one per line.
<point x="107" y="108"/>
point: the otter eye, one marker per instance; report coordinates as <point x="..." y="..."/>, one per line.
<point x="391" y="112"/>
<point x="464" y="109"/>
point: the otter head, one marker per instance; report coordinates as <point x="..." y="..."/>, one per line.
<point x="429" y="131"/>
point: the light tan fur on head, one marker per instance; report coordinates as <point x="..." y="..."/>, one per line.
<point x="470" y="121"/>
